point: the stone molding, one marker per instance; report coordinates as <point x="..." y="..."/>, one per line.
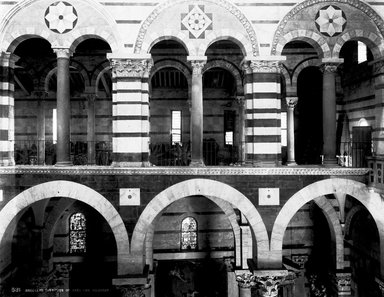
<point x="130" y="291"/>
<point x="206" y="171"/>
<point x="365" y="8"/>
<point x="223" y="3"/>
<point x="64" y="53"/>
<point x="131" y="67"/>
<point x="329" y="68"/>
<point x="265" y="66"/>
<point x="197" y="67"/>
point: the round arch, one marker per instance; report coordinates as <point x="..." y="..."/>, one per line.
<point x="374" y="42"/>
<point x="229" y="67"/>
<point x="360" y="5"/>
<point x="231" y="216"/>
<point x="318" y="42"/>
<point x="172" y="64"/>
<point x="97" y="75"/>
<point x="227" y="34"/>
<point x="232" y="9"/>
<point x="177" y="36"/>
<point x="208" y="188"/>
<point x="349" y="218"/>
<point x="372" y="201"/>
<point x="9" y="39"/>
<point x="78" y="192"/>
<point x="301" y="67"/>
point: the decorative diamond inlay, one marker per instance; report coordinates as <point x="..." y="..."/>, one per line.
<point x="60" y="17"/>
<point x="330" y="21"/>
<point x="196" y="21"/>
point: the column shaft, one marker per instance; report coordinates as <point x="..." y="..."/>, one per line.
<point x="329" y="113"/>
<point x="63" y="109"/>
<point x="197" y="113"/>
<point x="91" y="134"/>
<point x="40" y="130"/>
<point x="291" y="103"/>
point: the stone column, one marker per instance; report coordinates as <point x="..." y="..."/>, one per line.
<point x="91" y="133"/>
<point x="130" y="114"/>
<point x="263" y="136"/>
<point x="40" y="127"/>
<point x="61" y="277"/>
<point x="63" y="107"/>
<point x="329" y="69"/>
<point x="197" y="113"/>
<point x="248" y="112"/>
<point x="7" y="120"/>
<point x="241" y="102"/>
<point x="145" y="127"/>
<point x="291" y="103"/>
<point x="342" y="284"/>
<point x="246" y="281"/>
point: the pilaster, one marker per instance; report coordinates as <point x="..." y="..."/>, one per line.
<point x="130" y="139"/>
<point x="291" y="104"/>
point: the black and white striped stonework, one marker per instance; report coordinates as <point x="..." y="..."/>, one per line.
<point x="130" y="112"/>
<point x="7" y="63"/>
<point x="263" y="117"/>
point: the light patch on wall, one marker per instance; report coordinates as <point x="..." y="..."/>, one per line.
<point x="363" y="123"/>
<point x="130" y="197"/>
<point x="1" y="195"/>
<point x="269" y="196"/>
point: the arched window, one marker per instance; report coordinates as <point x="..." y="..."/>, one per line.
<point x="188" y="234"/>
<point x="77" y="233"/>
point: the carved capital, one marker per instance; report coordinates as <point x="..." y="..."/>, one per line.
<point x="342" y="282"/>
<point x="64" y="53"/>
<point x="291" y="101"/>
<point x="131" y="67"/>
<point x="197" y="66"/>
<point x="269" y="281"/>
<point x="62" y="271"/>
<point x="265" y="66"/>
<point x="246" y="67"/>
<point x="246" y="280"/>
<point x="329" y="68"/>
<point x="300" y="259"/>
<point x="378" y="67"/>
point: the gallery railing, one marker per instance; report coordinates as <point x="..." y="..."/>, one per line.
<point x="40" y="152"/>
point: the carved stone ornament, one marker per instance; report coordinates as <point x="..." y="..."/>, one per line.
<point x="246" y="280"/>
<point x="330" y="21"/>
<point x="343" y="282"/>
<point x="269" y="285"/>
<point x="196" y="21"/>
<point x="197" y="67"/>
<point x="329" y="67"/>
<point x="264" y="66"/>
<point x="130" y="67"/>
<point x="291" y="103"/>
<point x="60" y="17"/>
<point x="378" y="67"/>
<point x="130" y="291"/>
<point x="62" y="271"/>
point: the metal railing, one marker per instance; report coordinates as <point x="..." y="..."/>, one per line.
<point x="40" y="152"/>
<point x="354" y="154"/>
<point x="179" y="154"/>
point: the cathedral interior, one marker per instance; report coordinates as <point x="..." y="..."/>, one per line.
<point x="178" y="148"/>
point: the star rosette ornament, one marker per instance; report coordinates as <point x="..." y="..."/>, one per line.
<point x="330" y="21"/>
<point x="196" y="21"/>
<point x="60" y="17"/>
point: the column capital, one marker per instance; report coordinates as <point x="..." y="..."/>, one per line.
<point x="269" y="281"/>
<point x="197" y="63"/>
<point x="8" y="59"/>
<point x="264" y="64"/>
<point x="342" y="281"/>
<point x="329" y="65"/>
<point x="300" y="260"/>
<point x="245" y="279"/>
<point x="129" y="67"/>
<point x="62" y="52"/>
<point x="291" y="101"/>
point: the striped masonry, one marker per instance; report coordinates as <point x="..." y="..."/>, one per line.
<point x="263" y="118"/>
<point x="7" y="62"/>
<point x="130" y="113"/>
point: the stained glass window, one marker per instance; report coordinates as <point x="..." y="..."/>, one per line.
<point x="77" y="233"/>
<point x="188" y="234"/>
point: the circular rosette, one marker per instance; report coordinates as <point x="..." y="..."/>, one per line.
<point x="330" y="21"/>
<point x="60" y="17"/>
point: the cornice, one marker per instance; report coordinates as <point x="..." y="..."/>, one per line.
<point x="203" y="171"/>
